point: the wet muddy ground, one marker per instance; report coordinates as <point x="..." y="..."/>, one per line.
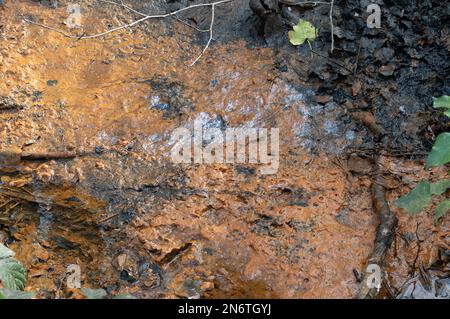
<point x="102" y="191"/>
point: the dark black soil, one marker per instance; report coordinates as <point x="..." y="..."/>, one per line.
<point x="391" y="72"/>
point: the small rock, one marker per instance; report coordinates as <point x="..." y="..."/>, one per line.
<point x="52" y="82"/>
<point x="128" y="267"/>
<point x="207" y="285"/>
<point x="3" y="236"/>
<point x="387" y="70"/>
<point x="40" y="252"/>
<point x="356" y="87"/>
<point x="99" y="165"/>
<point x="44" y="173"/>
<point x="323" y="99"/>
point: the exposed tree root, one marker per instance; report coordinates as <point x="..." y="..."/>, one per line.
<point x="383" y="238"/>
<point x="373" y="275"/>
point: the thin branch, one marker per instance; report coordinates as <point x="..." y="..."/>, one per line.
<point x="144" y="15"/>
<point x="303" y="3"/>
<point x="210" y="35"/>
<point x="190" y="25"/>
<point x="332" y="61"/>
<point x="52" y="29"/>
<point x="121" y="4"/>
<point x="132" y="24"/>
<point x="332" y="25"/>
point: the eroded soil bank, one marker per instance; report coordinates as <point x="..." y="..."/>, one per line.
<point x="113" y="202"/>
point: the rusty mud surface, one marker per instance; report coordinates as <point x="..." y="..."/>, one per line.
<point x="87" y="177"/>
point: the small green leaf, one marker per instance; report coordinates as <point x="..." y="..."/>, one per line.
<point x="12" y="274"/>
<point x="15" y="294"/>
<point x="416" y="200"/>
<point x="303" y="31"/>
<point x="439" y="187"/>
<point x="442" y="209"/>
<point x="94" y="293"/>
<point x="442" y="102"/>
<point x="440" y="153"/>
<point x="124" y="296"/>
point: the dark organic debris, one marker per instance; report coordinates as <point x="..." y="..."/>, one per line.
<point x="7" y="103"/>
<point x="398" y="68"/>
<point x="168" y="98"/>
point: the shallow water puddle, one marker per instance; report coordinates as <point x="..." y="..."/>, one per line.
<point x="280" y="231"/>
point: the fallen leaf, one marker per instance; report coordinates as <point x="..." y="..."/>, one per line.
<point x="356" y="87"/>
<point x="303" y="31"/>
<point x="387" y="70"/>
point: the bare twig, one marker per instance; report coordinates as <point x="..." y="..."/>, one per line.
<point x="332" y="25"/>
<point x="108" y="218"/>
<point x="10" y="208"/>
<point x="303" y="3"/>
<point x="332" y="61"/>
<point x="357" y="59"/>
<point x="5" y="203"/>
<point x="210" y="35"/>
<point x="121" y="4"/>
<point x="52" y="29"/>
<point x="144" y="18"/>
<point x="190" y="25"/>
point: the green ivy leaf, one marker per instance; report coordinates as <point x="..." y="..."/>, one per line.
<point x="442" y="102"/>
<point x="12" y="274"/>
<point x="442" y="208"/>
<point x="416" y="200"/>
<point x="15" y="294"/>
<point x="94" y="293"/>
<point x="303" y="31"/>
<point x="440" y="153"/>
<point x="439" y="187"/>
<point x="124" y="296"/>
